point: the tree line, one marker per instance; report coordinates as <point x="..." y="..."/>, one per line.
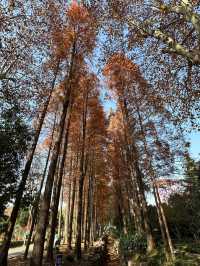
<point x="94" y="162"/>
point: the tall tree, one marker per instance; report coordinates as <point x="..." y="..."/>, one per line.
<point x="79" y="45"/>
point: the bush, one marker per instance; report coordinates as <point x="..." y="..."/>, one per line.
<point x="132" y="242"/>
<point x="15" y="244"/>
<point x="23" y="217"/>
<point x="3" y="226"/>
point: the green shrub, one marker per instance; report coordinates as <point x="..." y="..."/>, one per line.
<point x="130" y="243"/>
<point x="3" y="226"/>
<point x="15" y="244"/>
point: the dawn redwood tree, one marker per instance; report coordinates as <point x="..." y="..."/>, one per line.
<point x="88" y="85"/>
<point x="167" y="48"/>
<point x="58" y="186"/>
<point x="120" y="79"/>
<point x="22" y="68"/>
<point x="79" y="43"/>
<point x="140" y="109"/>
<point x="37" y="200"/>
<point x="75" y="139"/>
<point x="96" y="169"/>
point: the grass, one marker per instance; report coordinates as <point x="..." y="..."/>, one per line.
<point x="187" y="254"/>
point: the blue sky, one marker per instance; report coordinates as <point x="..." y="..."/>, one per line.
<point x="194" y="138"/>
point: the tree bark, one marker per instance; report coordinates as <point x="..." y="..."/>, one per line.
<point x="35" y="210"/>
<point x="38" y="248"/>
<point x="138" y="177"/>
<point x="45" y="203"/>
<point x="81" y="181"/>
<point x="67" y="210"/>
<point x="88" y="212"/>
<point x="161" y="215"/>
<point x="69" y="239"/>
<point x="57" y="193"/>
<point x="165" y="225"/>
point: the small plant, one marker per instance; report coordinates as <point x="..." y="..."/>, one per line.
<point x="132" y="242"/>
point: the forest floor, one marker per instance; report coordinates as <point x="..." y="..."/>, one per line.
<point x="187" y="254"/>
<point x="17" y="251"/>
<point x="94" y="256"/>
<point x="111" y="256"/>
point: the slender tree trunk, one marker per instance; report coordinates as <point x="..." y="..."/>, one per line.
<point x="87" y="220"/>
<point x="35" y="210"/>
<point x="150" y="240"/>
<point x="129" y="207"/>
<point x="69" y="205"/>
<point x="70" y="231"/>
<point x="136" y="199"/>
<point x="53" y="198"/>
<point x="79" y="218"/>
<point x="45" y="203"/>
<point x="84" y="212"/>
<point x="138" y="178"/>
<point x="60" y="228"/>
<point x="165" y="224"/>
<point x="88" y="213"/>
<point x="161" y="224"/>
<point x="91" y="195"/>
<point x="95" y="219"/>
<point x="161" y="215"/>
<point x="19" y="194"/>
<point x="68" y="211"/>
<point x="137" y="204"/>
<point x="57" y="193"/>
<point x="38" y="248"/>
<point x="94" y="222"/>
<point x="81" y="182"/>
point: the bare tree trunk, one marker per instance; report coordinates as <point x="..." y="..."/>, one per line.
<point x="91" y="202"/>
<point x="150" y="240"/>
<point x="19" y="194"/>
<point x="84" y="211"/>
<point x="130" y="217"/>
<point x="88" y="214"/>
<point x="68" y="211"/>
<point x="138" y="177"/>
<point x="79" y="218"/>
<point x="35" y="209"/>
<point x="81" y="182"/>
<point x="137" y="204"/>
<point x="60" y="232"/>
<point x="38" y="248"/>
<point x="165" y="225"/>
<point x="94" y="232"/>
<point x="71" y="229"/>
<point x="161" y="215"/>
<point x="57" y="193"/>
<point x="69" y="239"/>
<point x="45" y="203"/>
<point x="95" y="219"/>
<point x="161" y="223"/>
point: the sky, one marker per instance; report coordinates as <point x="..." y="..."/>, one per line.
<point x="194" y="138"/>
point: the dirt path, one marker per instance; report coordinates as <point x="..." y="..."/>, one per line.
<point x="112" y="258"/>
<point x="92" y="257"/>
<point x="18" y="251"/>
